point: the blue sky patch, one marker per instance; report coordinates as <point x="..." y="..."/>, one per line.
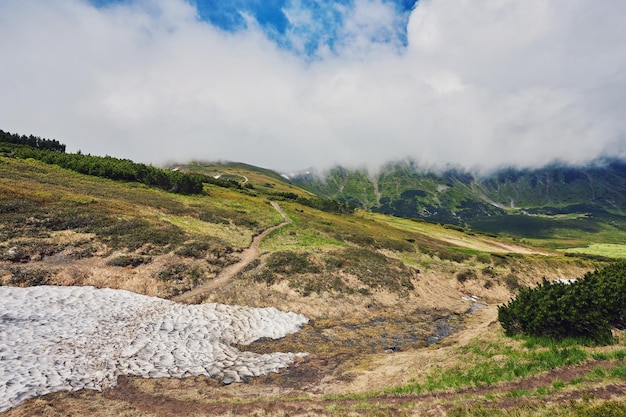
<point x="281" y="22"/>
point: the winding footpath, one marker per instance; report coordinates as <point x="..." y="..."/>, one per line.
<point x="247" y="256"/>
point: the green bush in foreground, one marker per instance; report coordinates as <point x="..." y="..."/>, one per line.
<point x="587" y="308"/>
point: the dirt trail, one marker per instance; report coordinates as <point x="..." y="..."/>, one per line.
<point x="436" y="403"/>
<point x="247" y="256"/>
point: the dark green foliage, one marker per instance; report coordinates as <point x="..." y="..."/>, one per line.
<point x="195" y="249"/>
<point x="452" y="255"/>
<point x="32" y="141"/>
<point x="134" y="233"/>
<point x="287" y="262"/>
<point x="586" y="308"/>
<point x="454" y="227"/>
<point x="443" y="253"/>
<point x="589" y="256"/>
<point x="212" y="247"/>
<point x="287" y="196"/>
<point x="265" y="276"/>
<point x="220" y="182"/>
<point x="483" y="258"/>
<point x="116" y="169"/>
<point x="20" y="218"/>
<point x="488" y="271"/>
<point x="329" y="206"/>
<point x="308" y="275"/>
<point x="595" y="193"/>
<point x="466" y="275"/>
<point x="29" y="277"/>
<point x="319" y="284"/>
<point x="180" y="272"/>
<point x="376" y="270"/>
<point x="397" y="245"/>
<point x="129" y="260"/>
<point x="225" y="216"/>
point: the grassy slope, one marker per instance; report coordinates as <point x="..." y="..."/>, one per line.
<point x="367" y="280"/>
<point x="556" y="207"/>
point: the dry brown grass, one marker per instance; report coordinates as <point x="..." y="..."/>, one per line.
<point x="390" y="293"/>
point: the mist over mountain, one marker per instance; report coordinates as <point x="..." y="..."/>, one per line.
<point x="289" y="84"/>
<point x="493" y="202"/>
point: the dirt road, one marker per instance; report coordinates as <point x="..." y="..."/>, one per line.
<point x="247" y="256"/>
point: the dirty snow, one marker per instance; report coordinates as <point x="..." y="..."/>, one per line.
<point x="70" y="338"/>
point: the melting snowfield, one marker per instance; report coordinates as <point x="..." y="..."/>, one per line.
<point x="69" y="338"/>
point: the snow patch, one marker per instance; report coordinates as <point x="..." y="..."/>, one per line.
<point x="70" y="338"/>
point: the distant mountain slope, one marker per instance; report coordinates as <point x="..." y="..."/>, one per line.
<point x="513" y="201"/>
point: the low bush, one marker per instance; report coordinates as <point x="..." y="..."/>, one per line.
<point x="29" y="277"/>
<point x="452" y="255"/>
<point x="466" y="275"/>
<point x="376" y="270"/>
<point x="128" y="260"/>
<point x="288" y="262"/>
<point x="488" y="271"/>
<point x="195" y="249"/>
<point x="178" y="273"/>
<point x="483" y="258"/>
<point x="587" y="308"/>
<point x="512" y="282"/>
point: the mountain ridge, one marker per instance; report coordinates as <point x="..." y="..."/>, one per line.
<point x="458" y="197"/>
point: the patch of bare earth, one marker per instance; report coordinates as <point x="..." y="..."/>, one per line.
<point x="358" y="343"/>
<point x="304" y="388"/>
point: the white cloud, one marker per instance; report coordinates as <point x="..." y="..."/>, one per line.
<point x="479" y="84"/>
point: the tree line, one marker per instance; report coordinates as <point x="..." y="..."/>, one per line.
<point x="323" y="204"/>
<point x="53" y="152"/>
<point x="32" y="141"/>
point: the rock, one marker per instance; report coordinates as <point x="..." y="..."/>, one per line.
<point x="13" y="254"/>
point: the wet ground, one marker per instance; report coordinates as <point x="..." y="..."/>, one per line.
<point x="377" y="335"/>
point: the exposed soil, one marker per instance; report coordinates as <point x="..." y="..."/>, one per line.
<point x="303" y="389"/>
<point x="429" y="404"/>
<point x="141" y="399"/>
<point x="247" y="256"/>
<point x="358" y="344"/>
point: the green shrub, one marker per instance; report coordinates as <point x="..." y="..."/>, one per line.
<point x="288" y="262"/>
<point x="128" y="260"/>
<point x="586" y="308"/>
<point x="466" y="275"/>
<point x="483" y="258"/>
<point x="177" y="273"/>
<point x="29" y="277"/>
<point x="195" y="249"/>
<point x="376" y="270"/>
<point x="488" y="271"/>
<point x="452" y="255"/>
<point x="265" y="276"/>
<point x="512" y="282"/>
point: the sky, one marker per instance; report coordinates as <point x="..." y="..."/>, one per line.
<point x="294" y="84"/>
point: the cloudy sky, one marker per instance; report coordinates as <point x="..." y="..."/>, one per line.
<point x="292" y="84"/>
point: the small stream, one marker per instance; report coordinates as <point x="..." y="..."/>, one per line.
<point x="444" y="327"/>
<point x="380" y="334"/>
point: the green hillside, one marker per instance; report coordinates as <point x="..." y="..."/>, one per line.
<point x="556" y="206"/>
<point x="403" y="312"/>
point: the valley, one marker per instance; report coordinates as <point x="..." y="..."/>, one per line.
<point x="402" y="313"/>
